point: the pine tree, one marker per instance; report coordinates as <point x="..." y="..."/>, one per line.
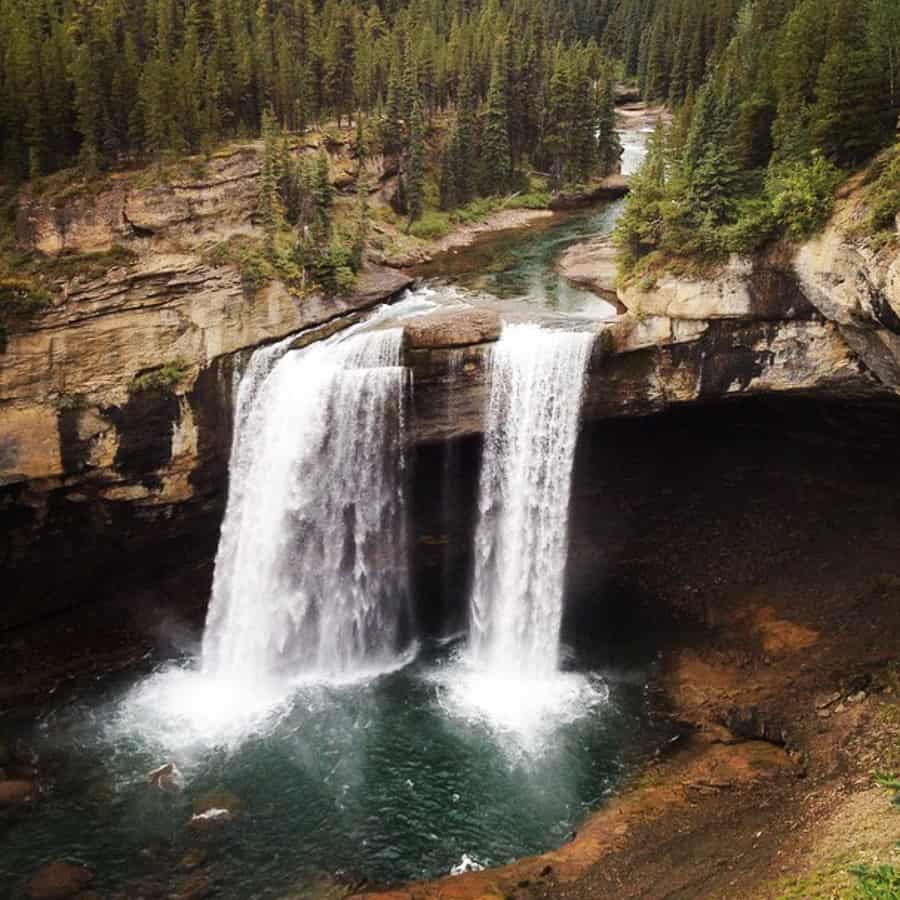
<point x="271" y="213"/>
<point x="466" y="149"/>
<point x="451" y="174"/>
<point x="609" y="150"/>
<point x="322" y="193"/>
<point x="415" y="182"/>
<point x="495" y="151"/>
<point x="361" y="224"/>
<point x="849" y="120"/>
<point x="884" y="38"/>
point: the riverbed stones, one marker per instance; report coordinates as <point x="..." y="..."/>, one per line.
<point x="58" y="880"/>
<point x="456" y="326"/>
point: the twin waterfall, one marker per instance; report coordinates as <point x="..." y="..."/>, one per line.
<point x="312" y="574"/>
<point x="537" y="383"/>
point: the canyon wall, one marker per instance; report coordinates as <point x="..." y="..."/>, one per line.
<point x="116" y="403"/>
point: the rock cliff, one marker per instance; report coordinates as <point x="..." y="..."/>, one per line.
<point x="115" y="402"/>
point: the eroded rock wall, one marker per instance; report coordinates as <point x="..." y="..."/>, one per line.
<point x="116" y="402"/>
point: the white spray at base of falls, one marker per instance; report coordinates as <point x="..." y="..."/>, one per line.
<point x="311" y="572"/>
<point x="537" y="384"/>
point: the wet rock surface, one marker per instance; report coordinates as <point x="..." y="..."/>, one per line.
<point x="452" y="327"/>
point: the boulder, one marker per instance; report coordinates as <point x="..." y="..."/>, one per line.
<point x="58" y="880"/>
<point x="591" y="265"/>
<point x="455" y="326"/>
<point x="166" y="778"/>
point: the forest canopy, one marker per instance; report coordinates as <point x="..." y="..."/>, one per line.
<point x="97" y="82"/>
<point x="801" y="93"/>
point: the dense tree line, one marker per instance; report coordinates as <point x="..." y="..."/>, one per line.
<point x="102" y="81"/>
<point x="800" y="92"/>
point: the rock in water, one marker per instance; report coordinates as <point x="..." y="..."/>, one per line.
<point x="58" y="880"/>
<point x="166" y="778"/>
<point x="466" y="864"/>
<point x="17" y="792"/>
<point x="214" y="808"/>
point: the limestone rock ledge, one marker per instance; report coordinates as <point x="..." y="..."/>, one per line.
<point x="822" y="319"/>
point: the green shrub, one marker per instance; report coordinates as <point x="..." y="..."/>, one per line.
<point x="332" y="267"/>
<point x="876" y="882"/>
<point x="20" y="299"/>
<point x="246" y="253"/>
<point x="756" y="224"/>
<point x="163" y="378"/>
<point x="802" y="195"/>
<point x="884" y="193"/>
<point x="431" y="226"/>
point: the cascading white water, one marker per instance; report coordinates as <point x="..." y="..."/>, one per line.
<point x="311" y="572"/>
<point x="537" y="381"/>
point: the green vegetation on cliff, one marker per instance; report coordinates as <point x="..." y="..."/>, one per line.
<point x="801" y="93"/>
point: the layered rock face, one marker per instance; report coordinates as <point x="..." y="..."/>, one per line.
<point x="115" y="404"/>
<point x="99" y="476"/>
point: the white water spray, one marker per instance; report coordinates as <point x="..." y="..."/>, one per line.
<point x="537" y="383"/>
<point x="311" y="572"/>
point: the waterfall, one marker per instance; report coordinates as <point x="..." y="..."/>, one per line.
<point x="537" y="382"/>
<point x="311" y="571"/>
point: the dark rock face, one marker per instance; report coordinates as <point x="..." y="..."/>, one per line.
<point x="667" y="510"/>
<point x="145" y="424"/>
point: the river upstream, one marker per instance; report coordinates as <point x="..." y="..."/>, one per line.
<point x="316" y="740"/>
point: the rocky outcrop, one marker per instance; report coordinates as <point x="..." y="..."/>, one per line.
<point x="592" y="265"/>
<point x="455" y="326"/>
<point x="613" y="187"/>
<point x="201" y="201"/>
<point x="857" y="288"/>
<point x="116" y="403"/>
<point x="823" y="318"/>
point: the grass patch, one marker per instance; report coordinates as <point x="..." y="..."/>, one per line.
<point x="431" y="227"/>
<point x="876" y="882"/>
<point x="531" y="200"/>
<point x="476" y="210"/>
<point x="164" y="378"/>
